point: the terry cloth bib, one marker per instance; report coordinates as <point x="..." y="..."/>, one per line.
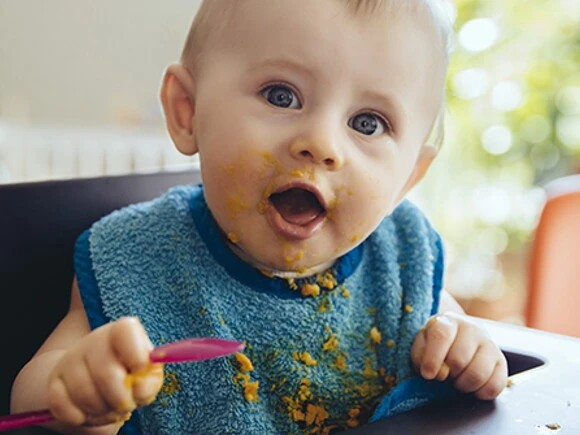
<point x="332" y="360"/>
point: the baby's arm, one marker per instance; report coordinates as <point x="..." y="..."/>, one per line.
<point x="451" y="346"/>
<point x="82" y="376"/>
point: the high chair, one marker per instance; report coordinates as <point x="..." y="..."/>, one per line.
<point x="554" y="278"/>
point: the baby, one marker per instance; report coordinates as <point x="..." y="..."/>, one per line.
<point x="312" y="120"/>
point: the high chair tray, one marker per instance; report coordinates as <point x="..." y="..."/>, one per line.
<point x="543" y="397"/>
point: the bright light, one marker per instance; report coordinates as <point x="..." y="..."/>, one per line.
<point x="572" y="8"/>
<point x="529" y="208"/>
<point x="492" y="240"/>
<point x="492" y="204"/>
<point x="568" y="100"/>
<point x="497" y="139"/>
<point x="568" y="131"/>
<point x="506" y="96"/>
<point x="478" y="34"/>
<point x="470" y="83"/>
<point x="535" y="129"/>
<point x="545" y="157"/>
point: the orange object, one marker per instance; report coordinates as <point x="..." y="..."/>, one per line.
<point x="554" y="286"/>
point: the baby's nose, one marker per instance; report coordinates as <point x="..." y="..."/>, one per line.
<point x="318" y="152"/>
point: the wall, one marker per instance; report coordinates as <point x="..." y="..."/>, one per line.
<point x="79" y="86"/>
<point x="84" y="63"/>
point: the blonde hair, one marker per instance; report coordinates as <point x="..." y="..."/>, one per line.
<point x="205" y="24"/>
<point x="214" y="15"/>
<point x="442" y="12"/>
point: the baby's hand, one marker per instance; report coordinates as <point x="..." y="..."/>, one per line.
<point x="105" y="376"/>
<point x="451" y="346"/>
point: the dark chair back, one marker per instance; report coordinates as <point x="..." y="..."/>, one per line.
<point x="39" y="223"/>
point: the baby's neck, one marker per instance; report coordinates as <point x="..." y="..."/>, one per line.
<point x="284" y="274"/>
<point x="302" y="273"/>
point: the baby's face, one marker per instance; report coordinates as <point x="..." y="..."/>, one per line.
<point x="309" y="121"/>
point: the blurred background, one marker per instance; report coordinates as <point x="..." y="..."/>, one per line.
<point x="78" y="98"/>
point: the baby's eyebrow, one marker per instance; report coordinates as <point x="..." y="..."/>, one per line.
<point x="390" y="101"/>
<point x="283" y="63"/>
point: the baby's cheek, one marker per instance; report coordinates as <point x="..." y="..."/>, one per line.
<point x="270" y="163"/>
<point x="236" y="203"/>
<point x="357" y="219"/>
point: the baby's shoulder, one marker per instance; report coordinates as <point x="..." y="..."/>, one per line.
<point x="404" y="218"/>
<point x="407" y="211"/>
<point x="406" y="227"/>
<point x="173" y="203"/>
<point x="168" y="213"/>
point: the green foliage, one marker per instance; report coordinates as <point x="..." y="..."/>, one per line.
<point x="513" y="122"/>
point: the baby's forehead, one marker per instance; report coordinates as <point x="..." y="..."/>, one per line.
<point x="215" y="17"/>
<point x="220" y="13"/>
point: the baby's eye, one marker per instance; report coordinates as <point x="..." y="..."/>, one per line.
<point x="368" y="124"/>
<point x="281" y="96"/>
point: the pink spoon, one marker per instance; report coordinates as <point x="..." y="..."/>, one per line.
<point x="193" y="349"/>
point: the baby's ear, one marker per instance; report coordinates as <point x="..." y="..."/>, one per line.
<point x="426" y="156"/>
<point x="177" y="100"/>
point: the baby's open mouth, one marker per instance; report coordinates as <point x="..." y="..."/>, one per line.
<point x="296" y="212"/>
<point x="297" y="206"/>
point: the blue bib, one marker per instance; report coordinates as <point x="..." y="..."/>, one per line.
<point x="329" y="361"/>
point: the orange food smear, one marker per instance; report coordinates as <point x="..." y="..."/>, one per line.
<point x="315" y="414"/>
<point x="171" y="384"/>
<point x="233" y="237"/>
<point x="133" y="378"/>
<point x="297" y="173"/>
<point x="305" y="358"/>
<point x="236" y="205"/>
<point x="369" y="372"/>
<point x="251" y="391"/>
<point x="245" y="363"/>
<point x="375" y="335"/>
<point x="331" y="344"/>
<point x="310" y="290"/>
<point x="340" y="362"/>
<point x="294" y="258"/>
<point x="326" y="280"/>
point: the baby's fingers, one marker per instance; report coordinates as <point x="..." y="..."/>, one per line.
<point x="417" y="351"/>
<point x="82" y="390"/>
<point x="437" y="338"/>
<point x="130" y="343"/>
<point x="480" y="370"/>
<point x="61" y="405"/>
<point x="132" y="346"/>
<point x="109" y="376"/>
<point x="464" y="348"/>
<point x="495" y="384"/>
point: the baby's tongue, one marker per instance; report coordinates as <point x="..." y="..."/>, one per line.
<point x="297" y="206"/>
